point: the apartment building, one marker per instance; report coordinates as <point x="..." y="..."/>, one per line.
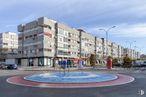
<point x="87" y="46"/>
<point x="99" y="48"/>
<point x="104" y="48"/>
<point x="120" y="52"/>
<point x="43" y="42"/>
<point x="109" y="48"/>
<point x="135" y="54"/>
<point x="8" y="45"/>
<point x="37" y="42"/>
<point x="128" y="52"/>
<point x="114" y="50"/>
<point x="68" y="42"/>
<point x="138" y="54"/>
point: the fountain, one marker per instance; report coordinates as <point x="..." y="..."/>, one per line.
<point x="71" y="77"/>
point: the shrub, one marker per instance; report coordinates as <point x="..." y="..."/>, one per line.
<point x="127" y="62"/>
<point x="115" y="61"/>
<point x="92" y="60"/>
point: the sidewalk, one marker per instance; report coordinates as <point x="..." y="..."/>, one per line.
<point x="48" y="68"/>
<point x="39" y="68"/>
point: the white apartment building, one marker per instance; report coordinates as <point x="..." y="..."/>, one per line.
<point x="68" y="42"/>
<point x="87" y="46"/>
<point x="115" y="50"/>
<point x="128" y="52"/>
<point x="8" y="45"/>
<point x="120" y="52"/>
<point x="99" y="48"/>
<point x="37" y="42"/>
<point x="109" y="48"/>
<point x="104" y="48"/>
<point x="43" y="41"/>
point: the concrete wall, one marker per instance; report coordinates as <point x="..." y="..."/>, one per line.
<point x="10" y="61"/>
<point x="24" y="62"/>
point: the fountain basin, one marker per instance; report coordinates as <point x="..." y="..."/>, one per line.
<point x="71" y="77"/>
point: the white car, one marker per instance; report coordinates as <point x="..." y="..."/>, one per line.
<point x="137" y="63"/>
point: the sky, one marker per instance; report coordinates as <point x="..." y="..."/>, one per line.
<point x="129" y="17"/>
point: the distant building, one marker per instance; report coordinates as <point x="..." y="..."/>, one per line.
<point x="143" y="56"/>
<point x="8" y="45"/>
<point x="115" y="50"/>
<point x="120" y="52"/>
<point x="99" y="48"/>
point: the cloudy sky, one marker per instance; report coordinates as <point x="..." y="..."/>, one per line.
<point x="129" y="17"/>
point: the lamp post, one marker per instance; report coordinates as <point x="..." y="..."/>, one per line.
<point x="106" y="31"/>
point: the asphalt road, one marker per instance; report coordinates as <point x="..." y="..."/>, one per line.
<point x="128" y="90"/>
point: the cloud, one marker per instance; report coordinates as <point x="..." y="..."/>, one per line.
<point x="121" y="30"/>
<point x="11" y="25"/>
<point x="135" y="31"/>
<point x="29" y="18"/>
<point x="80" y="12"/>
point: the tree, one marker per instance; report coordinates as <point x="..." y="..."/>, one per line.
<point x="127" y="61"/>
<point x="115" y="61"/>
<point x="92" y="60"/>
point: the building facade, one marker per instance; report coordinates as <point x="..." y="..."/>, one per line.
<point x="120" y="52"/>
<point x="68" y="42"/>
<point x="37" y="42"/>
<point x="87" y="46"/>
<point x="99" y="48"/>
<point x="8" y="45"/>
<point x="43" y="42"/>
<point x="115" y="50"/>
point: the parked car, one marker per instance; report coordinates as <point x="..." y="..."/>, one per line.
<point x="118" y="64"/>
<point x="11" y="66"/>
<point x="3" y="66"/>
<point x="144" y="63"/>
<point x="137" y="63"/>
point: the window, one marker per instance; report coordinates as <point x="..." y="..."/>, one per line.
<point x="5" y="43"/>
<point x="48" y="50"/>
<point x="65" y="46"/>
<point x="60" y="31"/>
<point x="60" y="45"/>
<point x="40" y="49"/>
<point x="66" y="33"/>
<point x="65" y="39"/>
<point x="20" y="38"/>
<point x="19" y="52"/>
<point x="60" y="39"/>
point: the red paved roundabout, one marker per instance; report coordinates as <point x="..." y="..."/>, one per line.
<point x="19" y="80"/>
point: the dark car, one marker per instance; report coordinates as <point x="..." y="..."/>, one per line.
<point x="11" y="66"/>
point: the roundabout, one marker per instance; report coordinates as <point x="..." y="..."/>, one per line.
<point x="70" y="80"/>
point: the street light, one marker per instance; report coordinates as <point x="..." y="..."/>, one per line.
<point x="106" y="31"/>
